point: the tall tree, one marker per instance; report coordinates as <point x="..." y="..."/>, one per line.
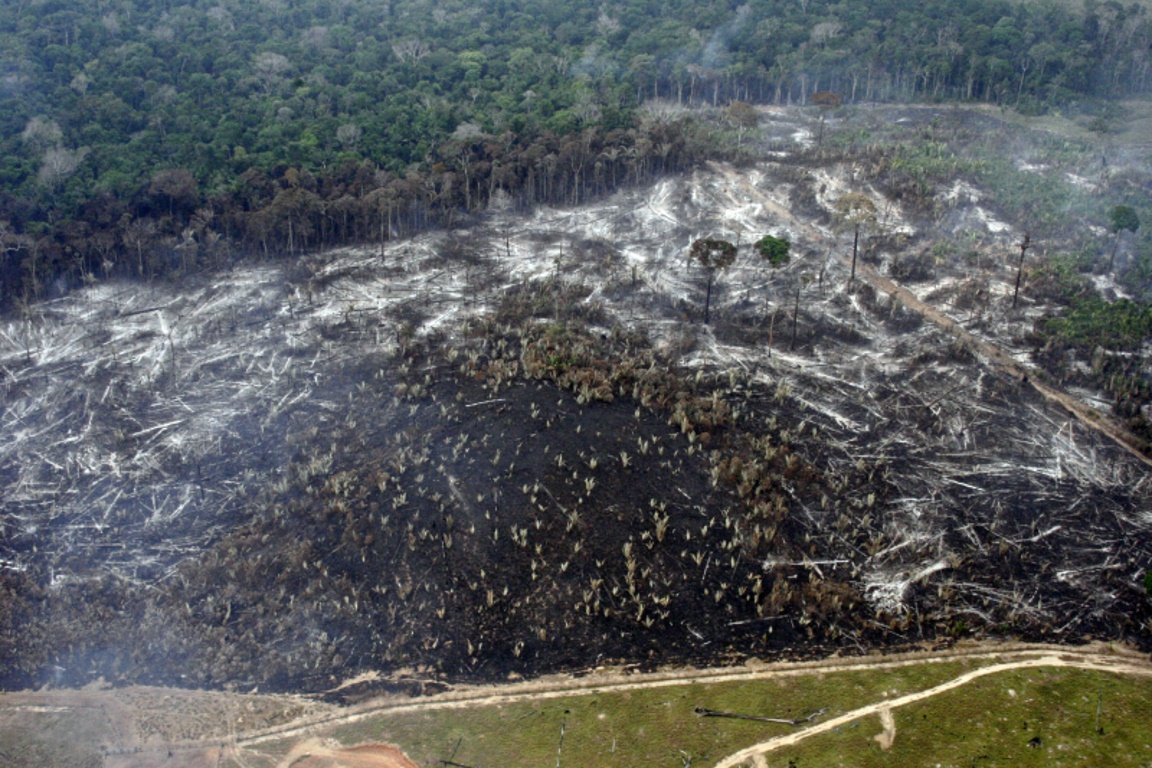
<point x="1124" y="219"/>
<point x="854" y="211"/>
<point x="743" y="117"/>
<point x="826" y="101"/>
<point x="714" y="255"/>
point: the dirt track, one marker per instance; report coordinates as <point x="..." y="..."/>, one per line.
<point x="619" y="682"/>
<point x="1094" y="662"/>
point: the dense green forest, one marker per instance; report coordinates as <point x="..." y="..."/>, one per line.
<point x="152" y="138"/>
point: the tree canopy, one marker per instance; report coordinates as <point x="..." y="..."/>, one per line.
<point x="712" y="253"/>
<point x="191" y="113"/>
<point x="1124" y="218"/>
<point x="774" y="249"/>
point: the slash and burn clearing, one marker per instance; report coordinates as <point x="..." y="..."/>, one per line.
<point x="514" y="447"/>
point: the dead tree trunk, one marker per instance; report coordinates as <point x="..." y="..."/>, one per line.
<point x="1020" y="268"/>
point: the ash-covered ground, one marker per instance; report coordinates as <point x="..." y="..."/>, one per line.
<point x="515" y="446"/>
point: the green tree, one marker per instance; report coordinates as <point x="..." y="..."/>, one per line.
<point x="743" y="117"/>
<point x="774" y="249"/>
<point x="714" y="255"/>
<point x="1124" y="218"/>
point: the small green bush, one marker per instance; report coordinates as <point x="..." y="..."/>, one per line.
<point x="774" y="249"/>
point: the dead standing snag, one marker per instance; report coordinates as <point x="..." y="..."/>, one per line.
<point x="1024" y="244"/>
<point x="713" y="255"/>
<point x="826" y="101"/>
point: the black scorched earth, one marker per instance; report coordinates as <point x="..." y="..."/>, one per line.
<point x="543" y="460"/>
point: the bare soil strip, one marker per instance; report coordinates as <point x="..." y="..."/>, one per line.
<point x="313" y="753"/>
<point x="1093" y="662"/>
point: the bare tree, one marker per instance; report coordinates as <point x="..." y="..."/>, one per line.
<point x="825" y="31"/>
<point x="270" y="68"/>
<point x="1024" y="244"/>
<point x="658" y="112"/>
<point x="139" y="235"/>
<point x="801" y="283"/>
<point x="349" y="136"/>
<point x="176" y="186"/>
<point x="586" y="109"/>
<point x="412" y="49"/>
<point x="826" y="101"/>
<point x="41" y="133"/>
<point x="607" y="25"/>
<point x="59" y="163"/>
<point x="11" y="244"/>
<point x="103" y="242"/>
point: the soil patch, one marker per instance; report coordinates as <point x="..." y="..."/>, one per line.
<point x="316" y="754"/>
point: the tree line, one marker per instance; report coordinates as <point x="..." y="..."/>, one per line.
<point x="146" y="139"/>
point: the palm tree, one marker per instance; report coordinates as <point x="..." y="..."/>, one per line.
<point x="853" y="211"/>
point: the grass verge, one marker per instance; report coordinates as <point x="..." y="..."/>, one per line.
<point x="658" y="726"/>
<point x="1027" y="717"/>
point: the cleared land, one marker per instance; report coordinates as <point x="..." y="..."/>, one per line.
<point x="516" y="449"/>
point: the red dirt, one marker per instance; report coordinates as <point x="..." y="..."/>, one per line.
<point x="198" y="758"/>
<point x="314" y="753"/>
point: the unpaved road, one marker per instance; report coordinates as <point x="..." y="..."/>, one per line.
<point x="1014" y="656"/>
<point x="1093" y="662"/>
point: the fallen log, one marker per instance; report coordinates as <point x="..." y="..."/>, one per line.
<point x="783" y="721"/>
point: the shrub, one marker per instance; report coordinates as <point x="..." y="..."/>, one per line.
<point x="774" y="249"/>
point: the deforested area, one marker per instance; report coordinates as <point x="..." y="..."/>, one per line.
<point x="514" y="444"/>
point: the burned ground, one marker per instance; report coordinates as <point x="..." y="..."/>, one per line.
<point x="514" y="448"/>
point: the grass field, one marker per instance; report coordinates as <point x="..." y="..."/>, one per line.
<point x="1044" y="717"/>
<point x="1019" y="718"/>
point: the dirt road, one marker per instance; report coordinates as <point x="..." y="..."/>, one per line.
<point x="1095" y="662"/>
<point x="607" y="682"/>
